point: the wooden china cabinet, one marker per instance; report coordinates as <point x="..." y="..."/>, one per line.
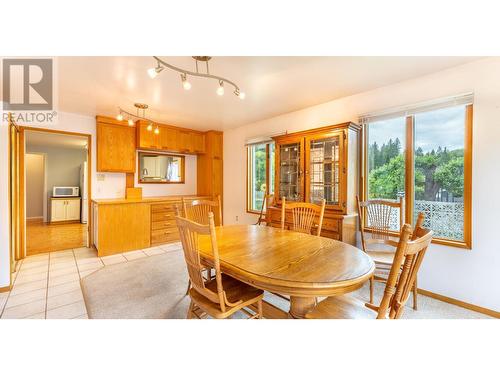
<point x="316" y="164"/>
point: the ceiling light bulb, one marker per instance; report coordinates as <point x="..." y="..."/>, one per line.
<point x="241" y="95"/>
<point x="130" y="122"/>
<point x="157" y="130"/>
<point x="150" y="127"/>
<point x="220" y="89"/>
<point x="185" y="83"/>
<point x="152" y="72"/>
<point x="119" y="117"/>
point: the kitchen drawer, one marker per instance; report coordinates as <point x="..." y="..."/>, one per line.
<point x="163" y="224"/>
<point x="164" y="235"/>
<point x="163" y="216"/>
<point x="164" y="207"/>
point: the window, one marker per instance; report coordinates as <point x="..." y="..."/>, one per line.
<point x="260" y="174"/>
<point x="386" y="162"/>
<point x="160" y="168"/>
<point x="424" y="155"/>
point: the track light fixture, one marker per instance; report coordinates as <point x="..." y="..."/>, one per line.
<point x="131" y="118"/>
<point x="153" y="72"/>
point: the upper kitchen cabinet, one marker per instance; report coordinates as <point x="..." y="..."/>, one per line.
<point x="115" y="146"/>
<point x="146" y="136"/>
<point x="169" y="138"/>
<point x="210" y="164"/>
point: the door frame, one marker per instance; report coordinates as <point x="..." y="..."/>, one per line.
<point x="22" y="187"/>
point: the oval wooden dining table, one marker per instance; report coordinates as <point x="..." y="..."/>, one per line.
<point x="298" y="265"/>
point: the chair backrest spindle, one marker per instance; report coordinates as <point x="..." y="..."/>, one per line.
<point x="303" y="215"/>
<point x="198" y="210"/>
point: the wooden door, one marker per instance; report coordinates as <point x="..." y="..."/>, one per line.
<point x="73" y="209"/>
<point x="325" y="169"/>
<point x="289" y="169"/>
<point x="14" y="191"/>
<point x="58" y="210"/>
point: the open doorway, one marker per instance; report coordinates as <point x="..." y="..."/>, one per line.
<point x="56" y="190"/>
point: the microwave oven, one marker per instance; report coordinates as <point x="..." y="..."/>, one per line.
<point x="66" y="191"/>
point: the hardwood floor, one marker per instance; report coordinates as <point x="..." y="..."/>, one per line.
<point x="43" y="238"/>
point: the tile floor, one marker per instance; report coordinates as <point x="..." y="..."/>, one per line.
<point x="47" y="286"/>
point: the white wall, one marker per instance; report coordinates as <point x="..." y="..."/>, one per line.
<point x="104" y="185"/>
<point x="469" y="275"/>
<point x="35" y="181"/>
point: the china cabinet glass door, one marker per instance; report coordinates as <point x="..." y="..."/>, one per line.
<point x="324" y="169"/>
<point x="290" y="171"/>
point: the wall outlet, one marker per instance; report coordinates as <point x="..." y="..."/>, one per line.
<point x="236" y="217"/>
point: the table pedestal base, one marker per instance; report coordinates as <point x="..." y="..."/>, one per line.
<point x="299" y="306"/>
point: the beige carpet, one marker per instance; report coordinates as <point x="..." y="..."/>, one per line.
<point x="154" y="287"/>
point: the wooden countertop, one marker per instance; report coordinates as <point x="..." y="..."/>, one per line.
<point x="146" y="199"/>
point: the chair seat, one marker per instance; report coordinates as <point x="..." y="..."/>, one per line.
<point x="341" y="307"/>
<point x="381" y="257"/>
<point x="235" y="291"/>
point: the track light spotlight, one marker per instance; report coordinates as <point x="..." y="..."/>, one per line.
<point x="119" y="117"/>
<point x="185" y="83"/>
<point x="220" y="89"/>
<point x="153" y="72"/>
<point x="239" y="94"/>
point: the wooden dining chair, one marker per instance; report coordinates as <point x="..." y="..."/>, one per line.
<point x="376" y="240"/>
<point x="222" y="296"/>
<point x="198" y="210"/>
<point x="267" y="202"/>
<point x="407" y="260"/>
<point x="303" y="215"/>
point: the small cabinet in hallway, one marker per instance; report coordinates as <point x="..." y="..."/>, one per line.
<point x="64" y="209"/>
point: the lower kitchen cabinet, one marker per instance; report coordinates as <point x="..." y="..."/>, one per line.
<point x="64" y="209"/>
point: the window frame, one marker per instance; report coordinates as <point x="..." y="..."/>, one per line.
<point x="409" y="198"/>
<point x="249" y="168"/>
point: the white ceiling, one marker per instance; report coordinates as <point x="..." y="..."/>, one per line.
<point x="38" y="138"/>
<point x="273" y="85"/>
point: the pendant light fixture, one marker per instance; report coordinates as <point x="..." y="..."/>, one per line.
<point x="161" y="65"/>
<point x="131" y="118"/>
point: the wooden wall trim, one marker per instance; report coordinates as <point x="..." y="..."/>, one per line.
<point x="456" y="302"/>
